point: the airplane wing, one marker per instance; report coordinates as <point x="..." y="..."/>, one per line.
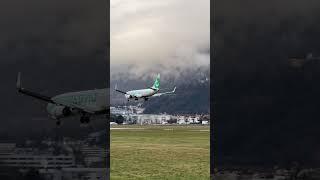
<point x="123" y="92"/>
<point x="116" y="89"/>
<point x="30" y="93"/>
<point x="50" y="99"/>
<point x="164" y="93"/>
<point x="74" y="106"/>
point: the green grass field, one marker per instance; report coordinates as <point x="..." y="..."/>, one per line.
<point x="160" y="152"/>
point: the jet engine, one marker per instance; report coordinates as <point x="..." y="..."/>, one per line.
<point x="58" y="111"/>
<point x="128" y="96"/>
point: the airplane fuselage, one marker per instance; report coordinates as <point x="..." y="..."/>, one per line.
<point x="140" y="93"/>
<point x="83" y="103"/>
<point x="92" y="100"/>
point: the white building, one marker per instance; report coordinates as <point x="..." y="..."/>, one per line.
<point x="181" y="119"/>
<point x="205" y="122"/>
<point x="151" y="118"/>
<point x="126" y="110"/>
<point x="193" y="119"/>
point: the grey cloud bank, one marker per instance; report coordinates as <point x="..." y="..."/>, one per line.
<point x="170" y="33"/>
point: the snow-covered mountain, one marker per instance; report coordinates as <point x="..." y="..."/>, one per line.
<point x="192" y="93"/>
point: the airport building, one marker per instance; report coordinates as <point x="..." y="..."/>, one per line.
<point x="151" y="118"/>
<point x="7" y="148"/>
<point x="74" y="173"/>
<point x="181" y="119"/>
<point x="126" y="110"/>
<point x="93" y="155"/>
<point x="37" y="161"/>
<point x="133" y="115"/>
<point x="193" y="119"/>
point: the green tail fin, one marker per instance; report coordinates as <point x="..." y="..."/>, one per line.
<point x="156" y="84"/>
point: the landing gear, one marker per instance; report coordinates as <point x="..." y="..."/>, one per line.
<point x="58" y="122"/>
<point x="146" y="99"/>
<point x="87" y="120"/>
<point x="84" y="119"/>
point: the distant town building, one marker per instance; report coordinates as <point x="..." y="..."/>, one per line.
<point x="71" y="159"/>
<point x="134" y="115"/>
<point x="152" y="118"/>
<point x="204" y="122"/>
<point x="37" y="161"/>
<point x="7" y="148"/>
<point x="181" y="119"/>
<point x="126" y="110"/>
<point x="75" y="173"/>
<point x="194" y="119"/>
<point x="93" y="154"/>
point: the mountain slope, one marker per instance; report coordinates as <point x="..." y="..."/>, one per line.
<point x="192" y="93"/>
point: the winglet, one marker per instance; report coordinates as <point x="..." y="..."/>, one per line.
<point x="19" y="81"/>
<point x="174" y="89"/>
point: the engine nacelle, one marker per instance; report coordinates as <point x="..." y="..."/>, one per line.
<point x="128" y="96"/>
<point x="58" y="111"/>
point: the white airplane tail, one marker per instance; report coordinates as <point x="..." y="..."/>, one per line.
<point x="156" y="84"/>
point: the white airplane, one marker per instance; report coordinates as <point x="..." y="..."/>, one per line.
<point x="83" y="103"/>
<point x="145" y="93"/>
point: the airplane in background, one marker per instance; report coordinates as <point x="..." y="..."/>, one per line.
<point x="145" y="93"/>
<point x="83" y="103"/>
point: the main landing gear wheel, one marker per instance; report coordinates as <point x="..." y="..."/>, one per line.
<point x="87" y="119"/>
<point x="58" y="122"/>
<point x="84" y="119"/>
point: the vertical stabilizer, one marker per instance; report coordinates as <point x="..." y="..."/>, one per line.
<point x="156" y="84"/>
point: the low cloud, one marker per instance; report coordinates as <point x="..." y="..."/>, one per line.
<point x="168" y="33"/>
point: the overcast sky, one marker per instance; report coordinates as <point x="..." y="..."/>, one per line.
<point x="59" y="46"/>
<point x="274" y="104"/>
<point x="166" y="32"/>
